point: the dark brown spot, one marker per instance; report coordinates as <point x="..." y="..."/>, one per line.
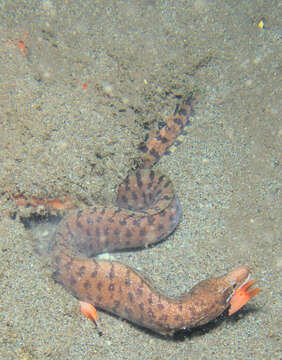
<point x="124" y="199"/>
<point x="126" y="182"/>
<point x="134" y="195"/>
<point x="106" y="230"/>
<point x="139" y="292"/>
<point x="127" y="278"/>
<point x="161" y="179"/>
<point x="116" y="232"/>
<point x="177" y="318"/>
<point x="128" y="311"/>
<point x="151" y="220"/>
<point x="97" y="233"/>
<point x="112" y="272"/>
<point x="155" y="154"/>
<point x="89" y="221"/>
<point x="167" y="184"/>
<point x="128" y="233"/>
<point x="130" y="297"/>
<point x="158" y="193"/>
<point x="81" y="271"/>
<point x="79" y="225"/>
<point x="87" y="285"/>
<point x="143" y="147"/>
<point x="178" y="121"/>
<point x="99" y="285"/>
<point x="149" y="185"/>
<point x="72" y="281"/>
<point x="162" y="139"/>
<point x="141" y="307"/>
<point x="151" y="313"/>
<point x="67" y="266"/>
<point x="166" y="197"/>
<point x="90" y="246"/>
<point x="139" y="179"/>
<point x="183" y="111"/>
<point x="94" y="274"/>
<point x="78" y="214"/>
<point x="142" y="232"/>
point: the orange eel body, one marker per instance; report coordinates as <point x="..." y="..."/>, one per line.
<point x="147" y="211"/>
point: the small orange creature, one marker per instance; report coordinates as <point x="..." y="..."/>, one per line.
<point x="89" y="311"/>
<point x="21" y="44"/>
<point x="241" y="296"/>
<point x="52" y="206"/>
<point x="22" y="47"/>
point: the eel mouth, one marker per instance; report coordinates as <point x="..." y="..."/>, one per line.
<point x="240" y="280"/>
<point x="238" y="277"/>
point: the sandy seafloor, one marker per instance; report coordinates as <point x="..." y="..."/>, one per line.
<point x="57" y="138"/>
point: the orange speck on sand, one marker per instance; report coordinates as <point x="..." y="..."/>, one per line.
<point x="21" y="44"/>
<point x="89" y="311"/>
<point x="84" y="86"/>
<point x="22" y="47"/>
<point x="242" y="296"/>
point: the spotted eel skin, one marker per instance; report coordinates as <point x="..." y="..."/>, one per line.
<point x="147" y="211"/>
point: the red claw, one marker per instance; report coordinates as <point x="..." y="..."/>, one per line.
<point x="242" y="296"/>
<point x="89" y="311"/>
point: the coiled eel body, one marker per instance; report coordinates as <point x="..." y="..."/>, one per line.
<point x="146" y="212"/>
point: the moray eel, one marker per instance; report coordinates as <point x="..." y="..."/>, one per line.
<point x="146" y="212"/>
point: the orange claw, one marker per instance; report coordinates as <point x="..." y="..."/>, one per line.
<point x="242" y="296"/>
<point x="89" y="311"/>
